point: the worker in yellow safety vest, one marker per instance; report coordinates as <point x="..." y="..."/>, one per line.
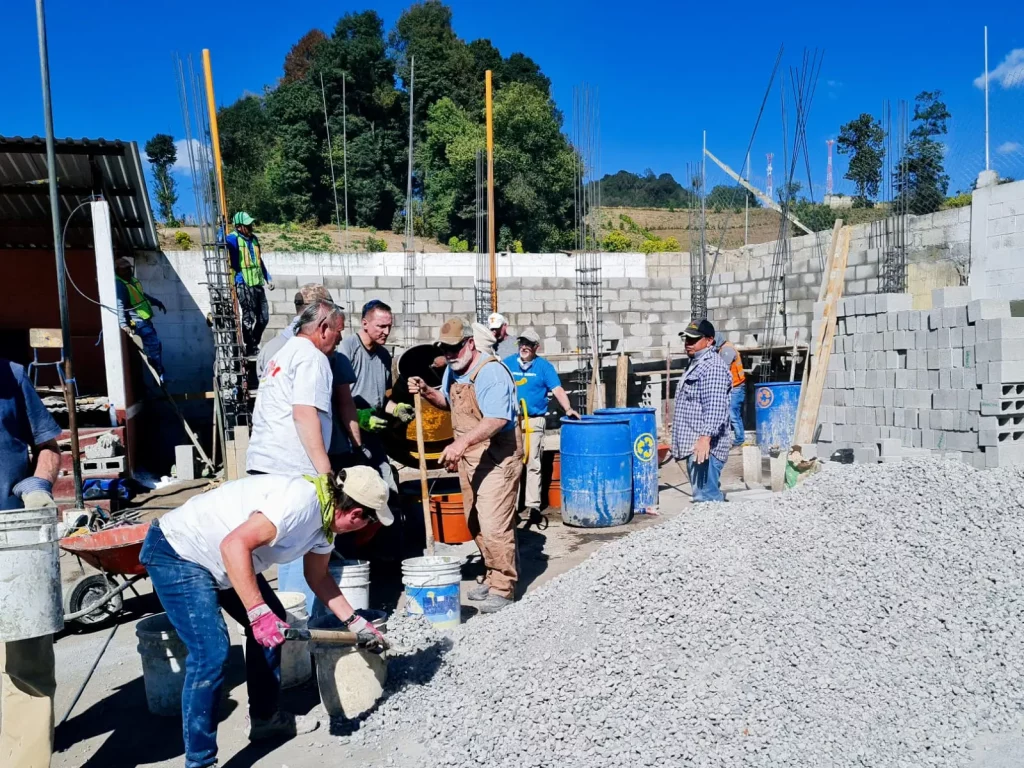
<point x="135" y="314"/>
<point x="731" y="356"/>
<point x="251" y="276"/>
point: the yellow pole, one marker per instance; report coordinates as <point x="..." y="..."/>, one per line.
<point x="490" y="193"/>
<point x="211" y="107"/>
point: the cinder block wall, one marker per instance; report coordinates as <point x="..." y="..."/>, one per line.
<point x="646" y="299"/>
<point x="997" y="241"/>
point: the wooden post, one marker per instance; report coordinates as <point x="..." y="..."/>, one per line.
<point x="668" y="387"/>
<point x="621" y="380"/>
<point x="489" y="104"/>
<point x="422" y="451"/>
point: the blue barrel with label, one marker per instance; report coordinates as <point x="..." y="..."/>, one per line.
<point x="776" y="405"/>
<point x="643" y="439"/>
<point x="597" y="471"/>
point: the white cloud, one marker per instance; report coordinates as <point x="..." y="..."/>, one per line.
<point x="1009" y="147"/>
<point x="181" y="165"/>
<point x="1009" y="74"/>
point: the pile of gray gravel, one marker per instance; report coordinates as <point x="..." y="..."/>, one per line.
<point x="870" y="617"/>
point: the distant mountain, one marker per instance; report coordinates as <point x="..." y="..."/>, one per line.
<point x="629" y="190"/>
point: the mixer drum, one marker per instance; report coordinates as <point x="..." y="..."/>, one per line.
<point x="437" y="424"/>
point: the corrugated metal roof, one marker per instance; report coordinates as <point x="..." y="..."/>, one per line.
<point x="85" y="168"/>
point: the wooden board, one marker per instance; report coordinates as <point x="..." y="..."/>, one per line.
<point x="45" y="338"/>
<point x="821" y="347"/>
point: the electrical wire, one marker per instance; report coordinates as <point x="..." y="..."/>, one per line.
<point x="63" y="240"/>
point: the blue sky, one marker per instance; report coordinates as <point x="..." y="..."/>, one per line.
<point x="666" y="71"/>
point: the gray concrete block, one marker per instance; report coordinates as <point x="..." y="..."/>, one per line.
<point x="866" y="454"/>
<point x="951" y="297"/>
<point x="934" y="319"/>
<point x="987" y="309"/>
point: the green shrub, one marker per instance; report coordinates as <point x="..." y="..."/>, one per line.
<point x="517" y="246"/>
<point x="958" y="201"/>
<point x="183" y="240"/>
<point x="458" y="246"/>
<point x="616" y="242"/>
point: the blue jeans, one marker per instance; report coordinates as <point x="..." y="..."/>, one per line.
<point x="704" y="479"/>
<point x="151" y="344"/>
<point x="739" y="395"/>
<point x="193" y="604"/>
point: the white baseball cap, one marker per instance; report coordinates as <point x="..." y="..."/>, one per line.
<point x="365" y="486"/>
<point x="495" y="320"/>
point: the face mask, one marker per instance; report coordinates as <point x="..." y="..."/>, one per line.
<point x="525" y="364"/>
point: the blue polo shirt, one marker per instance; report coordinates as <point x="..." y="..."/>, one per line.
<point x="534" y="384"/>
<point x="24" y="422"/>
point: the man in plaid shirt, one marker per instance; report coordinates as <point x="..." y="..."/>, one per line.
<point x="700" y="425"/>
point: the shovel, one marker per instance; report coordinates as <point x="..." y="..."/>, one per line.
<point x="335" y="637"/>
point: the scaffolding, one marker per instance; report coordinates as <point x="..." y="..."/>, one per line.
<point x="482" y="283"/>
<point x="893" y="275"/>
<point x="230" y="382"/>
<point x="587" y="207"/>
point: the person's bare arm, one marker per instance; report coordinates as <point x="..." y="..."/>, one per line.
<point x="347" y="413"/>
<point x="307" y="424"/>
<point x="47" y="461"/>
<point x="314" y="568"/>
<point x="236" y="551"/>
<point x="563" y="400"/>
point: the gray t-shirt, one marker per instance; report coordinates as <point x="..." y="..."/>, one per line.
<point x="341" y="369"/>
<point x="506" y="347"/>
<point x="372" y="371"/>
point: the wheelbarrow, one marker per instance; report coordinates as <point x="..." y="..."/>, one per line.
<point x="115" y="553"/>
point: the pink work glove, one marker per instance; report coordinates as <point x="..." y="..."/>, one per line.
<point x="266" y="627"/>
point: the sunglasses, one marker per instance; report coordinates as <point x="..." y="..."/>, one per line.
<point x="452" y="349"/>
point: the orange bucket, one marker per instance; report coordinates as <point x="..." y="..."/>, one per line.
<point x="448" y="519"/>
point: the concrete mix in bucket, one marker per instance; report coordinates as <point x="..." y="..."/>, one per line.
<point x="870" y="617"/>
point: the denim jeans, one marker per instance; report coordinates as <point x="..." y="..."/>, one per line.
<point x="739" y="395"/>
<point x="704" y="479"/>
<point x="151" y="344"/>
<point x="193" y="604"/>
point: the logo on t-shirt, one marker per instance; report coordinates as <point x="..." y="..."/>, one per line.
<point x="273" y="369"/>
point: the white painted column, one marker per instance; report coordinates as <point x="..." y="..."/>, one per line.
<point x="107" y="283"/>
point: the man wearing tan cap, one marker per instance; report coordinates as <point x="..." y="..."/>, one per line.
<point x="487" y="452"/>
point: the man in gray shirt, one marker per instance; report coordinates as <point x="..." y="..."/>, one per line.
<point x="371" y="363"/>
<point x="345" y="432"/>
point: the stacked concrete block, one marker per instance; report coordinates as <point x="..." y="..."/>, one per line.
<point x="949" y="380"/>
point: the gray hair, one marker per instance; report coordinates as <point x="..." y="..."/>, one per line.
<point x="319" y="311"/>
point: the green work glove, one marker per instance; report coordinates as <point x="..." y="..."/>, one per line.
<point x="404" y="412"/>
<point x="370" y="422"/>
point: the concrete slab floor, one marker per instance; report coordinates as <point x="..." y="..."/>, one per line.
<point x="110" y="726"/>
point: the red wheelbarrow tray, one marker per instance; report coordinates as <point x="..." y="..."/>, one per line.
<point x="114" y="551"/>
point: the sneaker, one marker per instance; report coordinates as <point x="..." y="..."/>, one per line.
<point x="283" y="725"/>
<point x="494" y="603"/>
<point x="479" y="592"/>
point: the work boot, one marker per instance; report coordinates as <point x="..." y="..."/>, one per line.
<point x="479" y="592"/>
<point x="494" y="603"/>
<point x="283" y="725"/>
<point x="535" y="518"/>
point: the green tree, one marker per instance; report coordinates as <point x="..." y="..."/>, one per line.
<point x="300" y="58"/>
<point x="645" y="191"/>
<point x="863" y="139"/>
<point x="724" y="196"/>
<point x="922" y="181"/>
<point x="162" y="155"/>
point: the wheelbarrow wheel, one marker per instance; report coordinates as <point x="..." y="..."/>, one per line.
<point x="88" y="590"/>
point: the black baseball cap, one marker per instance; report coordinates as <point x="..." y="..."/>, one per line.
<point x="699" y="329"/>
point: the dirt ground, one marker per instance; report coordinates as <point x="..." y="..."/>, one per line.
<point x="110" y="726"/>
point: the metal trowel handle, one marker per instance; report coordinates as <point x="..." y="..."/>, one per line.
<point x="322" y="636"/>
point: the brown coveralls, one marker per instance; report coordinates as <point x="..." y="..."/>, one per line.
<point x="489" y="474"/>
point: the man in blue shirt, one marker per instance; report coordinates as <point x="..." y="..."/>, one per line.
<point x="29" y="465"/>
<point x="536" y="381"/>
<point x="700" y="423"/>
<point x="487" y="453"/>
<point x="251" y="275"/>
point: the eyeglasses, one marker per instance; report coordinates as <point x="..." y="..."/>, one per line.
<point x="368" y="515"/>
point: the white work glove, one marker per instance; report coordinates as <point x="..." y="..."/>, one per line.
<point x="35" y="492"/>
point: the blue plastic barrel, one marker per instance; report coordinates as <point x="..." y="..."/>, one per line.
<point x="776" y="406"/>
<point x="643" y="439"/>
<point x="597" y="471"/>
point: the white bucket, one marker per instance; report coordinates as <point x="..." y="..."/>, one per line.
<point x="351" y="681"/>
<point x="432" y="589"/>
<point x="296" y="664"/>
<point x="163" y="664"/>
<point x="353" y="579"/>
<point x="29" y="574"/>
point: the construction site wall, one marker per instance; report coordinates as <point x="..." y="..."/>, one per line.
<point x="997" y="242"/>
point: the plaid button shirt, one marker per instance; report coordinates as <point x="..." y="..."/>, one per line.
<point x="702" y="406"/>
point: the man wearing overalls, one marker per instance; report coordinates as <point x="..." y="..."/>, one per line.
<point x="250" y="276"/>
<point x="487" y="452"/>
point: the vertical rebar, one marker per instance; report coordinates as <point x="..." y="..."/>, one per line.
<point x="409" y="295"/>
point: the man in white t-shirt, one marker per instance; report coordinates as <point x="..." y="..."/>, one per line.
<point x="291" y="423"/>
<point x="209" y="554"/>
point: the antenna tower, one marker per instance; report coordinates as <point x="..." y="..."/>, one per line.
<point x="768" y="183"/>
<point x="828" y="177"/>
